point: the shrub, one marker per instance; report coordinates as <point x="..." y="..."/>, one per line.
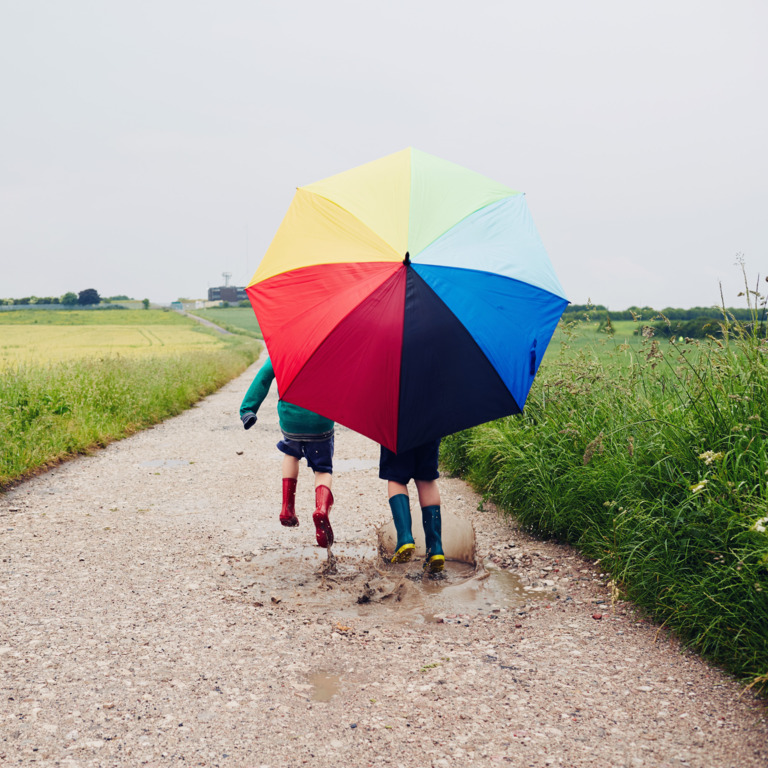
<point x="654" y="462"/>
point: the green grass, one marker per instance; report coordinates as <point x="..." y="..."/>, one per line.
<point x="651" y="457"/>
<point x="92" y="317"/>
<point x="50" y="413"/>
<point x="235" y="319"/>
<point x="38" y="337"/>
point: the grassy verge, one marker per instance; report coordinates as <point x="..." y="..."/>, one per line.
<point x="50" y="413"/>
<point x="91" y="317"/>
<point x="652" y="459"/>
<point x="234" y="319"/>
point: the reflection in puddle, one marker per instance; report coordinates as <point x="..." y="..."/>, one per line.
<point x="363" y="583"/>
<point x="324" y="686"/>
<point x="461" y="589"/>
<point x="165" y="463"/>
<point x="342" y="465"/>
<point x="354" y="465"/>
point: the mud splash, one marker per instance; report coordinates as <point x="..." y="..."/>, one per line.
<point x="458" y="537"/>
<point x="356" y="579"/>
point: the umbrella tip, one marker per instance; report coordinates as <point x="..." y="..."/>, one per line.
<point x="407" y="259"/>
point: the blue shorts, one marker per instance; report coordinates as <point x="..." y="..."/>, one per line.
<point x="418" y="463"/>
<point x="318" y="453"/>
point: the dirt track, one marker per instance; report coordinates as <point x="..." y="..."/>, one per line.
<point x="155" y="613"/>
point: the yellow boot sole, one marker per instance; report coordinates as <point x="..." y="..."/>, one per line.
<point x="435" y="564"/>
<point x="404" y="554"/>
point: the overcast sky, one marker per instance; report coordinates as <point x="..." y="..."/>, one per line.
<point x="148" y="146"/>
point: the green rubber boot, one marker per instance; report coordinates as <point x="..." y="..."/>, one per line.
<point x="401" y="514"/>
<point x="434" y="562"/>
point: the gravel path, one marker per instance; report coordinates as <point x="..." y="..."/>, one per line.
<point x="154" y="612"/>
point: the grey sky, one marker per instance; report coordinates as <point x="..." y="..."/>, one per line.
<point x="149" y="146"/>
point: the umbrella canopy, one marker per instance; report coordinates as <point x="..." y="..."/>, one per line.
<point x="407" y="299"/>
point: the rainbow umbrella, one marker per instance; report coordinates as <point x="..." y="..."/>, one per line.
<point x="407" y="299"/>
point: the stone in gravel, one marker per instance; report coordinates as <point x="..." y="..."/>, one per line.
<point x="597" y="615"/>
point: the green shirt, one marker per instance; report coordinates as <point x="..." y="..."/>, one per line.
<point x="295" y="422"/>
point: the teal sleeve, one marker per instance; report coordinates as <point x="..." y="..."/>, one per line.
<point x="258" y="390"/>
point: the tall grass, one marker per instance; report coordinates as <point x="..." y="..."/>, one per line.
<point x="49" y="413"/>
<point x="653" y="461"/>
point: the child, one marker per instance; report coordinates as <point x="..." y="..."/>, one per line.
<point x="304" y="434"/>
<point x="419" y="464"/>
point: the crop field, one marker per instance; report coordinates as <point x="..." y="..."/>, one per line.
<point x="36" y="344"/>
<point x="59" y="336"/>
<point x="75" y="380"/>
<point x="235" y="319"/>
<point x="92" y="317"/>
<point x="587" y="337"/>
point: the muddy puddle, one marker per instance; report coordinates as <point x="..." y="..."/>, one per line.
<point x="343" y="465"/>
<point x="358" y="579"/>
<point x="165" y="463"/>
<point x="324" y="685"/>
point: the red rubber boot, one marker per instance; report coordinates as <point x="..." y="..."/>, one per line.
<point x="323" y="530"/>
<point x="288" y="512"/>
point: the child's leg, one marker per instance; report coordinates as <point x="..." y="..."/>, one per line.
<point x="290" y="475"/>
<point x="319" y="455"/>
<point x="429" y="498"/>
<point x="429" y="493"/>
<point x="323" y="504"/>
<point x="401" y="515"/>
<point x="395" y="489"/>
<point x="290" y="467"/>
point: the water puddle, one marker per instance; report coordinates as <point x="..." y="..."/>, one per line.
<point x="324" y="686"/>
<point x="354" y="465"/>
<point x="358" y="579"/>
<point x="460" y="590"/>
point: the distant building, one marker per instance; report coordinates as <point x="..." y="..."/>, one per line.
<point x="230" y="293"/>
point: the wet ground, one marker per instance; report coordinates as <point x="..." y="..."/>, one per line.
<point x="154" y="612"/>
<point x="361" y="583"/>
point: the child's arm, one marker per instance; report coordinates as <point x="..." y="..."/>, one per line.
<point x="256" y="393"/>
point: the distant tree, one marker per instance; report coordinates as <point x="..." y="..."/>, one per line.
<point x="88" y="296"/>
<point x="145" y="303"/>
<point x="69" y="299"/>
<point x="119" y="298"/>
<point x="23" y="302"/>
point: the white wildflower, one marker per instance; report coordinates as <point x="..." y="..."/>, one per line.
<point x="699" y="486"/>
<point x="710" y="456"/>
<point x="760" y="525"/>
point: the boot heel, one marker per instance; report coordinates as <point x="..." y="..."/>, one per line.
<point x="435" y="564"/>
<point x="403" y="554"/>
